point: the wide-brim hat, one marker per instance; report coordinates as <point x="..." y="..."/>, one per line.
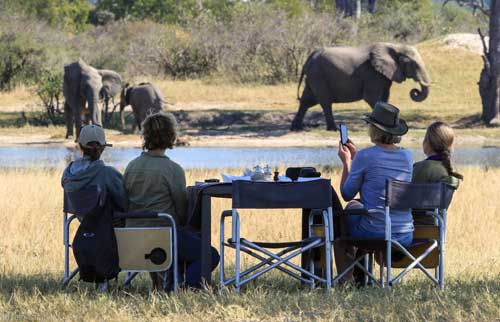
<point x="92" y="133"/>
<point x="386" y="118"/>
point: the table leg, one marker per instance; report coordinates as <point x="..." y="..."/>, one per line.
<point x="305" y="229"/>
<point x="206" y="238"/>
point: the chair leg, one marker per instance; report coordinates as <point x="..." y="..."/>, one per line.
<point x="221" y="249"/>
<point x="238" y="252"/>
<point x="365" y="264"/>
<point x="388" y="264"/>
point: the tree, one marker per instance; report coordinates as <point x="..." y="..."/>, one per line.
<point x="489" y="80"/>
<point x="68" y="14"/>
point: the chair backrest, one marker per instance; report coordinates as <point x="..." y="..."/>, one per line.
<point x="84" y="201"/>
<point x="404" y="195"/>
<point x="145" y="248"/>
<point x="315" y="194"/>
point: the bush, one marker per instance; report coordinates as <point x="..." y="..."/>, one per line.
<point x="19" y="61"/>
<point x="49" y="90"/>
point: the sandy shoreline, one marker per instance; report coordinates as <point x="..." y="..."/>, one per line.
<point x="303" y="139"/>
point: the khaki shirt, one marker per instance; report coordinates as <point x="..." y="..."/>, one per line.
<point x="156" y="183"/>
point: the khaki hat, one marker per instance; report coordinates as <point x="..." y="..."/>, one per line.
<point x="92" y="133"/>
<point x="386" y="117"/>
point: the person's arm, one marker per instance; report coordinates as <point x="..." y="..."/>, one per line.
<point x="116" y="190"/>
<point x="352" y="171"/>
<point x="179" y="195"/>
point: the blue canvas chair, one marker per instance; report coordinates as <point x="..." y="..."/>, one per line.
<point x="427" y="249"/>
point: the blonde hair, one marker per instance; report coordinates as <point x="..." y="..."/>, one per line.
<point x="379" y="136"/>
<point x="440" y="137"/>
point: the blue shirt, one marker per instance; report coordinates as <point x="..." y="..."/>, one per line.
<point x="370" y="169"/>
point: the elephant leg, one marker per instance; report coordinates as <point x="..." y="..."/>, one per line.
<point x="78" y="124"/>
<point x="330" y="121"/>
<point x="69" y="118"/>
<point x="306" y="101"/>
<point x="122" y="118"/>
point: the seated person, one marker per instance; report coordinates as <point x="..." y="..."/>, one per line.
<point x="437" y="146"/>
<point x="366" y="172"/>
<point x="155" y="183"/>
<point x="89" y="170"/>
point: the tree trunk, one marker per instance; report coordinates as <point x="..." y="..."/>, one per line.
<point x="489" y="82"/>
<point x="371" y="6"/>
<point x="199" y="6"/>
<point x="358" y="9"/>
<point x="340" y="7"/>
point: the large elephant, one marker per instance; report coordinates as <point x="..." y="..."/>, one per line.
<point x="144" y="98"/>
<point x="83" y="87"/>
<point x="349" y="74"/>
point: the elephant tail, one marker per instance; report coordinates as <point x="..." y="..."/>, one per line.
<point x="302" y="73"/>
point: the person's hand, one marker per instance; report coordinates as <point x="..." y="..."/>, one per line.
<point x="345" y="154"/>
<point x="352" y="148"/>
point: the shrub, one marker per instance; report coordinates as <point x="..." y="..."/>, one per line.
<point x="49" y="90"/>
<point x="19" y="61"/>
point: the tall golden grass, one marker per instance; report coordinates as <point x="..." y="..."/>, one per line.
<point x="31" y="264"/>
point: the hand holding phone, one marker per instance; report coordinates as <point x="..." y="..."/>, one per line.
<point x="343" y="134"/>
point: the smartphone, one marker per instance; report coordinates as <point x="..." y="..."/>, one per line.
<point x="343" y="134"/>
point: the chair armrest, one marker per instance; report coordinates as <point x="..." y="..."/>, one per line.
<point x="227" y="213"/>
<point x="349" y="212"/>
<point x="136" y="214"/>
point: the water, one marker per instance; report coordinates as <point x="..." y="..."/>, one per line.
<point x="216" y="157"/>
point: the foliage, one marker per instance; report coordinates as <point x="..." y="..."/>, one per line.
<point x="67" y="14"/>
<point x="19" y="60"/>
<point x="49" y="90"/>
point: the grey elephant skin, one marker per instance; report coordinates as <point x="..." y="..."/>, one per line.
<point x="83" y="87"/>
<point x="144" y="98"/>
<point x="350" y="74"/>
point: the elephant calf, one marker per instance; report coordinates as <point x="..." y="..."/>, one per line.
<point x="349" y="74"/>
<point x="144" y="98"/>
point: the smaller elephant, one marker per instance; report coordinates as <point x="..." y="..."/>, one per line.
<point x="144" y="98"/>
<point x="111" y="85"/>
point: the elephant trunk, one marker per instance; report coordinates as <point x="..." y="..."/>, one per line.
<point x="420" y="95"/>
<point x="93" y="102"/>
<point x="424" y="80"/>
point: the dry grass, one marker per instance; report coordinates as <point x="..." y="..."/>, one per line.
<point x="31" y="266"/>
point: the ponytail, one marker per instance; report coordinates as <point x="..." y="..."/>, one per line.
<point x="446" y="155"/>
<point x="440" y="137"/>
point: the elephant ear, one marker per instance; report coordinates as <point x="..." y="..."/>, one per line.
<point x="384" y="58"/>
<point x="111" y="82"/>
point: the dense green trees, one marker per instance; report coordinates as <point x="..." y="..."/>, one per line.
<point x="67" y="14"/>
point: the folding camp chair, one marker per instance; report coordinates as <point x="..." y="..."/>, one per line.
<point x="141" y="249"/>
<point x="402" y="196"/>
<point x="275" y="195"/>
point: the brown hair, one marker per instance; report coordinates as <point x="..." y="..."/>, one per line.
<point x="440" y="137"/>
<point x="379" y="136"/>
<point x="159" y="131"/>
<point x="94" y="150"/>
